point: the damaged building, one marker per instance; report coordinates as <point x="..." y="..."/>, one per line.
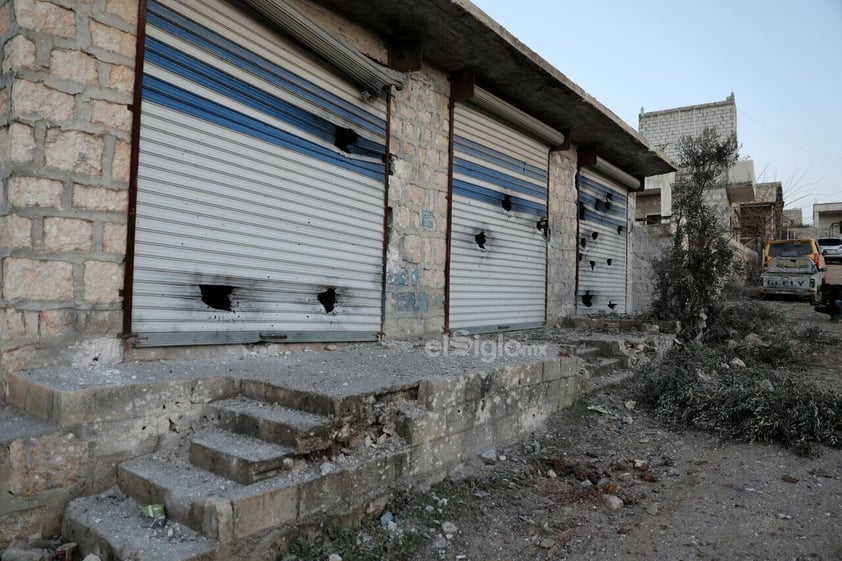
<point x="210" y="173"/>
<point x="180" y="178"/>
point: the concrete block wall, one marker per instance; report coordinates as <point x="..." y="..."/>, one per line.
<point x="646" y="243"/>
<point x="716" y="198"/>
<point x="663" y="129"/>
<point x="65" y="130"/>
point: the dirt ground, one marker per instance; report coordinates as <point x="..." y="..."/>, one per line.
<point x="605" y="480"/>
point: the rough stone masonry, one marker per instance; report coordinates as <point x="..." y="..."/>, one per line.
<point x="65" y="129"/>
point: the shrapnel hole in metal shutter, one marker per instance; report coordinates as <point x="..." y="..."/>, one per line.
<point x="260" y="188"/>
<point x="602" y="250"/>
<point x="498" y="245"/>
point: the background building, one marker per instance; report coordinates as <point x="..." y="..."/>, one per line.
<point x="827" y="219"/>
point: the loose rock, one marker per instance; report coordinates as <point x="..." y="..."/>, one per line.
<point x="449" y="529"/>
<point x="737" y="363"/>
<point x="489" y="457"/>
<point x="755" y="340"/>
<point x="612" y="502"/>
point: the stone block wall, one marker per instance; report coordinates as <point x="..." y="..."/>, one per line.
<point x="417" y="208"/>
<point x="563" y="239"/>
<point x="70" y="443"/>
<point x="716" y="198"/>
<point x="65" y="130"/>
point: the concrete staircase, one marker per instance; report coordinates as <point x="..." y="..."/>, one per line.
<point x="255" y="465"/>
<point x="267" y="457"/>
<point x="610" y="345"/>
<point x="601" y="356"/>
<point x="252" y="439"/>
<point x="242" y="451"/>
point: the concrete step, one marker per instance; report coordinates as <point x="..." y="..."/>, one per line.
<point x="191" y="495"/>
<point x="580" y="349"/>
<point x="236" y="456"/>
<point x="601" y="365"/>
<point x="605" y="347"/>
<point x="300" y="400"/>
<point x="303" y="432"/>
<point x="111" y="526"/>
<point x="226" y="511"/>
<point x="586" y="352"/>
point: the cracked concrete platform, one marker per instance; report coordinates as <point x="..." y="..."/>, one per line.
<point x="70" y="396"/>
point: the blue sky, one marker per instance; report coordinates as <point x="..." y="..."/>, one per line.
<point x="782" y="60"/>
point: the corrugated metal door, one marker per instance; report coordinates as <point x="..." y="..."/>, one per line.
<point x="603" y="235"/>
<point x="260" y="187"/>
<point x="498" y="249"/>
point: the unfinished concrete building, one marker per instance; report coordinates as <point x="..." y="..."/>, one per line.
<point x="212" y="179"/>
<point x="665" y="129"/>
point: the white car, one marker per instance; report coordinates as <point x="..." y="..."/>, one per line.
<point x="831" y="248"/>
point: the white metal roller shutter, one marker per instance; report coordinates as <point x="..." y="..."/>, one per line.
<point x="603" y="235"/>
<point x="260" y="188"/>
<point x="498" y="257"/>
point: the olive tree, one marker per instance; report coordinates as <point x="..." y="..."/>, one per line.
<point x="700" y="262"/>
